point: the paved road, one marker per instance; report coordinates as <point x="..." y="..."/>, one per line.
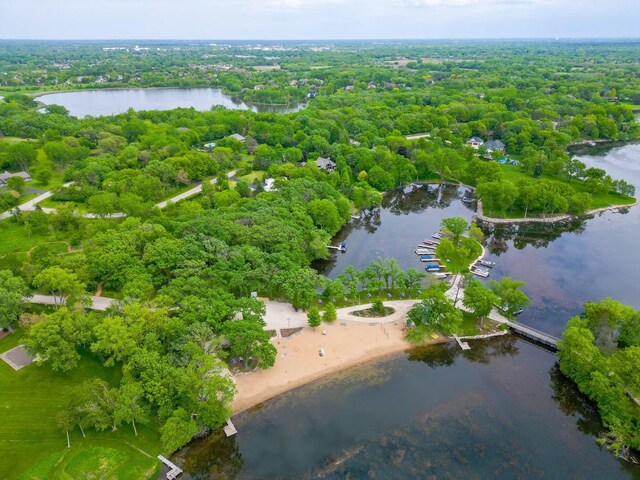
<point x="189" y="193"/>
<point x="97" y="303"/>
<point x="31" y="204"/>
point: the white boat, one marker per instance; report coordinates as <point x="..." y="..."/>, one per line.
<point x="425" y="251"/>
<point x="486" y="263"/>
<point x="480" y="272"/>
<point x="440" y="275"/>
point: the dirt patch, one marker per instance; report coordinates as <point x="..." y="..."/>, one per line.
<point x="287" y="332"/>
<point x="370" y="313"/>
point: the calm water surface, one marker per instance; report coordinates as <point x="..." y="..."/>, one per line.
<point x="499" y="411"/>
<point x="110" y="102"/>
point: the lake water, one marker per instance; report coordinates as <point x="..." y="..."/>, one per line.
<point x="110" y="102"/>
<point x="500" y="410"/>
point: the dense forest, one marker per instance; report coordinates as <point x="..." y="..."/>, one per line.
<point x="185" y="271"/>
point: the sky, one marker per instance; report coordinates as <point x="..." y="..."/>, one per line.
<point x="317" y="19"/>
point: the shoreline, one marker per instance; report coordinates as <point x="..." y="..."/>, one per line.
<point x="564" y="217"/>
<point x="346" y="345"/>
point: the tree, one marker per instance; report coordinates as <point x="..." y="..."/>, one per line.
<point x="329" y="314"/>
<point x="479" y="299"/>
<point x="378" y="307"/>
<point x="250" y="342"/>
<point x="243" y="189"/>
<point x="511" y="298"/>
<point x="102" y="203"/>
<point x="65" y="421"/>
<point x="178" y="430"/>
<point x="313" y="317"/>
<point x="58" y="339"/>
<point x="456" y="226"/>
<point x="21" y="155"/>
<point x="60" y="283"/>
<point x="498" y="196"/>
<point x="12" y="293"/>
<point x="16" y="183"/>
<point x="436" y="312"/>
<point x="325" y="215"/>
<point x="130" y="404"/>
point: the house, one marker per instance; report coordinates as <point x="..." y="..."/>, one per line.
<point x="270" y="185"/>
<point x="475" y="142"/>
<point x="210" y="145"/>
<point x="325" y="164"/>
<point x="495" y="145"/>
<point x="238" y="137"/>
<point x="4" y="177"/>
<point x="348" y="88"/>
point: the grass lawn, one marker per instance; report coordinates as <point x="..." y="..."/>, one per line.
<point x="253" y="177"/>
<point x="12" y="139"/>
<point x="469" y="325"/>
<point x="13" y="238"/>
<point x="33" y="447"/>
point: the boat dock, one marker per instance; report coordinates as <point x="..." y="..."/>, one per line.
<point x="463" y="345"/>
<point x="230" y="429"/>
<point x="174" y="469"/>
<point x="341" y="248"/>
<point x="535" y="335"/>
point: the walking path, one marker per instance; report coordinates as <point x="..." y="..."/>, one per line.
<point x="31" y="204"/>
<point x="97" y="303"/>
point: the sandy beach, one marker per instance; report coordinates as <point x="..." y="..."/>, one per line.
<point x="345" y="344"/>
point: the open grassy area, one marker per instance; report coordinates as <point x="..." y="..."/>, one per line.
<point x="469" y="324"/>
<point x="12" y="139"/>
<point x="33" y="447"/>
<point x="13" y="238"/>
<point x="253" y="177"/>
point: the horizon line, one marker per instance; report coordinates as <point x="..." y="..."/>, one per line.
<point x="155" y="39"/>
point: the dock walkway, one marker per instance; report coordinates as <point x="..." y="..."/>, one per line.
<point x="174" y="469"/>
<point x="535" y="335"/>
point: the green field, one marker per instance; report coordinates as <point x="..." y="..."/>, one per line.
<point x="33" y="447"/>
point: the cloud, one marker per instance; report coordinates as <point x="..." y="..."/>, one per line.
<point x="467" y="3"/>
<point x="297" y="4"/>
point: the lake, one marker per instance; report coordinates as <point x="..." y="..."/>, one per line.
<point x="499" y="410"/>
<point x="563" y="266"/>
<point x="113" y="101"/>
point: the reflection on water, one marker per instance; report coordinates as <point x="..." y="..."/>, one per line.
<point x="563" y="265"/>
<point x="406" y="217"/>
<point x="499" y="410"/>
<point x="113" y="101"/>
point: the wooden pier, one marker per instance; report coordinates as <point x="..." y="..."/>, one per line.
<point x="463" y="345"/>
<point x="536" y="335"/>
<point x="174" y="469"/>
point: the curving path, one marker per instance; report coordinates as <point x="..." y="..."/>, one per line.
<point x="31" y="204"/>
